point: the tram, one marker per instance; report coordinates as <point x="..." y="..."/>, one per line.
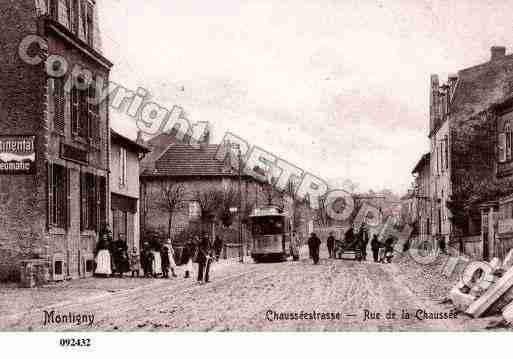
<point x="270" y="234"/>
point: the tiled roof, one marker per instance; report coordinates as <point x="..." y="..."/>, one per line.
<point x="481" y="86"/>
<point x="188" y="160"/>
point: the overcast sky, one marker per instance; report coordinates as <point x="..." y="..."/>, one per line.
<point x="339" y="88"/>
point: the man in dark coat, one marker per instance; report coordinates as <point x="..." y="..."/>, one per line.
<point x="375" y="244"/>
<point x="147" y="260"/>
<point x="188" y="253"/>
<point x="330" y="243"/>
<point x="204" y="259"/>
<point x="164" y="255"/>
<point x="313" y="245"/>
<point x="364" y="240"/>
<point x="218" y="247"/>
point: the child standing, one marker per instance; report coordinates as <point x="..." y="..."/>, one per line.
<point x="134" y="262"/>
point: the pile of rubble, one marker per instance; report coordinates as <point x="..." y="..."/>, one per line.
<point x="486" y="289"/>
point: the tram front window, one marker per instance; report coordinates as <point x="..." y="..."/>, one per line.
<point x="267" y="225"/>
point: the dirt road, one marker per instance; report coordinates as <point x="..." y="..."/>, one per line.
<point x="255" y="297"/>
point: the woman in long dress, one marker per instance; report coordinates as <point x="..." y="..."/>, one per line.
<point x="103" y="257"/>
<point x="171" y="254"/>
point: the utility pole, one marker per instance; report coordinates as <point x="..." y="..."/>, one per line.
<point x="239" y="212"/>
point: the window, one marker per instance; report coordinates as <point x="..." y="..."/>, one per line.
<point x="122" y="167"/>
<point x="194" y="210"/>
<point x="58" y="196"/>
<point x="85" y="112"/>
<point x="88" y="21"/>
<point x="92" y="201"/>
<point x="509" y="139"/>
<point x="59" y="100"/>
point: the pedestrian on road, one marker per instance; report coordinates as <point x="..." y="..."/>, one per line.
<point x="103" y="256"/>
<point x="375" y="244"/>
<point x="171" y="256"/>
<point x="147" y="260"/>
<point x="120" y="256"/>
<point x="313" y="245"/>
<point x="294" y="246"/>
<point x="218" y="247"/>
<point x="188" y="253"/>
<point x="164" y="254"/>
<point x="364" y="239"/>
<point x="134" y="262"/>
<point x="330" y="243"/>
<point x="204" y="260"/>
<point x="389" y="249"/>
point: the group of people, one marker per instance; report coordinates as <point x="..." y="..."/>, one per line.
<point x="155" y="259"/>
<point x="382" y="252"/>
<point x="111" y="255"/>
<point x="356" y="240"/>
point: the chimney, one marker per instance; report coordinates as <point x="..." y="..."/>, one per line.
<point x="498" y="52"/>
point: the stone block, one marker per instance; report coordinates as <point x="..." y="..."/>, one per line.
<point x="503" y="287"/>
<point x="508" y="261"/>
<point x="507" y="314"/>
<point x="461" y="300"/>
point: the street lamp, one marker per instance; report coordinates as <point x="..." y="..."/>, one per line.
<point x="236" y="146"/>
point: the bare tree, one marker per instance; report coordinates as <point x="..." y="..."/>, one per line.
<point x="170" y="199"/>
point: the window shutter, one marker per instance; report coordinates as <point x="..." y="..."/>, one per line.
<point x="59" y="102"/>
<point x="90" y="25"/>
<point x="125" y="160"/>
<point x="74" y="16"/>
<point x="502" y="147"/>
<point x="508" y="144"/>
<point x="83" y="14"/>
<point x="83" y="206"/>
<point x="446" y="140"/>
<point x="50" y="195"/>
<point x="89" y="110"/>
<point x="74" y="111"/>
<point x="120" y="169"/>
<point x="68" y="198"/>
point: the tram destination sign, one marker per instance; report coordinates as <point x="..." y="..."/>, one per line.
<point x="17" y="154"/>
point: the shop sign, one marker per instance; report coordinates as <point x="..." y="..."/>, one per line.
<point x="17" y="154"/>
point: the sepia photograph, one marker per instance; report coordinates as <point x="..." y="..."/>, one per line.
<point x="171" y="166"/>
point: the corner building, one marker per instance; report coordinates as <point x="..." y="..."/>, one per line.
<point x="52" y="213"/>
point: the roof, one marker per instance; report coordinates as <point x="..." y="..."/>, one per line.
<point x="119" y="138"/>
<point x="481" y="86"/>
<point x="180" y="160"/>
<point x="423" y="162"/>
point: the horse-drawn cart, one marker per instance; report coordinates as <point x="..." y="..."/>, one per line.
<point x="348" y="249"/>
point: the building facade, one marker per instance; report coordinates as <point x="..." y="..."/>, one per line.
<point x="125" y="188"/>
<point x="422" y="206"/>
<point x="52" y="213"/>
<point x="453" y="105"/>
<point x="198" y="173"/>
